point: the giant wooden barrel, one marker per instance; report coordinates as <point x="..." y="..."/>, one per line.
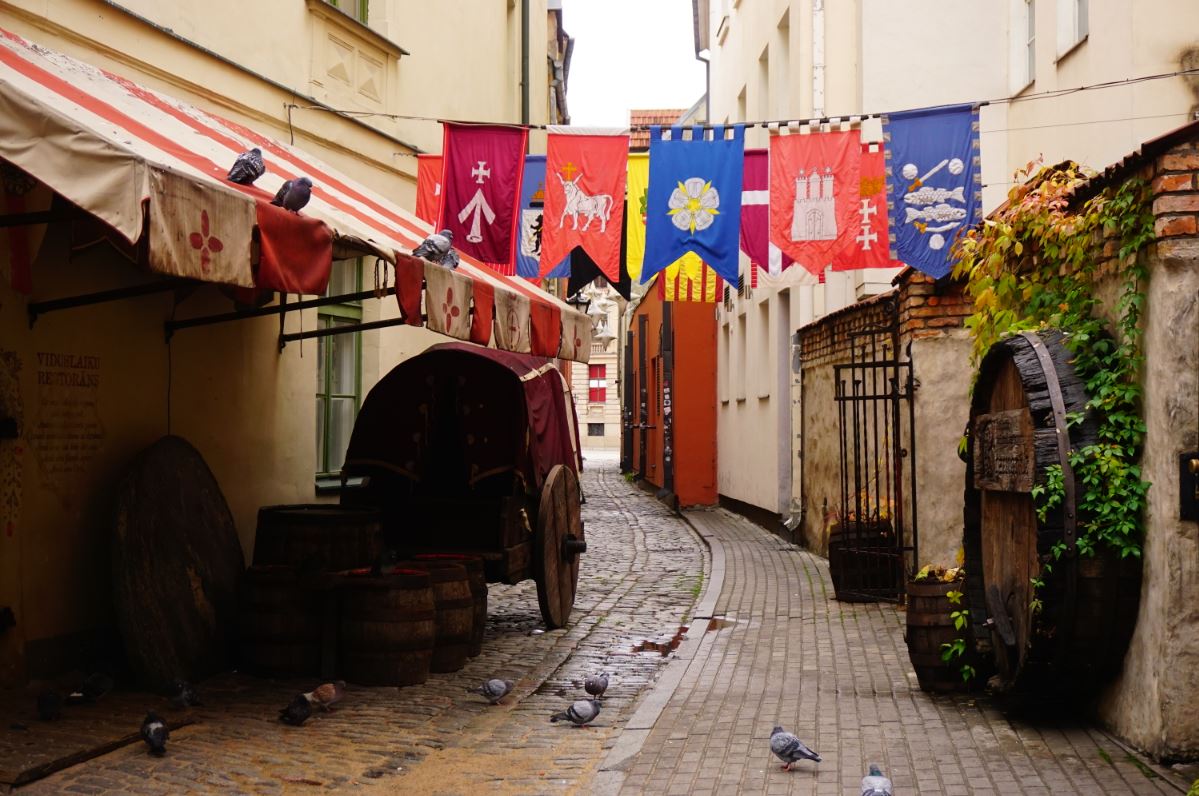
<point x="478" y="592"/>
<point x="279" y="623"/>
<point x="388" y="628"/>
<point x="1075" y="637"/>
<point x="455" y="611"/>
<point x="322" y="535"/>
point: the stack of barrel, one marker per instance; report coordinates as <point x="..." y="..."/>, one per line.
<point x="311" y="605"/>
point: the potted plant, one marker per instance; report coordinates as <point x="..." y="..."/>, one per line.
<point x="938" y="629"/>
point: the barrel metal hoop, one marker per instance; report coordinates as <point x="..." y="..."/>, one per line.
<point x="1070" y="531"/>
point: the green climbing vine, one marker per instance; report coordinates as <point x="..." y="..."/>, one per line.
<point x="1037" y="264"/>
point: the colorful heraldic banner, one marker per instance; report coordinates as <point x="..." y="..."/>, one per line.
<point x="870" y="248"/>
<point x="694" y="199"/>
<point x="638" y="191"/>
<point x="481" y="177"/>
<point x="218" y="223"/>
<point x="428" y="187"/>
<point x="532" y="207"/>
<point x="586" y="171"/>
<point x="755" y="217"/>
<point x="934" y="185"/>
<point x="814" y="194"/>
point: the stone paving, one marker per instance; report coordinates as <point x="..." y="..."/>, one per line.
<point x="837" y="674"/>
<point x="642" y="573"/>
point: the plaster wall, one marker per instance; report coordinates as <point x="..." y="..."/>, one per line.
<point x="1152" y="703"/>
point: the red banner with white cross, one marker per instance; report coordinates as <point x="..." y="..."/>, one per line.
<point x="585" y="173"/>
<point x="428" y="187"/>
<point x="870" y="248"/>
<point x="481" y="172"/>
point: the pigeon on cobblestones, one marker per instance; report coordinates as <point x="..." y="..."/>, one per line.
<point x="581" y="713"/>
<point x="875" y="784"/>
<point x="183" y="695"/>
<point x="596" y="684"/>
<point x="49" y="705"/>
<point x="494" y="690"/>
<point x="296" y="712"/>
<point x="247" y="168"/>
<point x="94" y="686"/>
<point x="294" y="194"/>
<point x="325" y="695"/>
<point x="790" y="749"/>
<point x="155" y="733"/>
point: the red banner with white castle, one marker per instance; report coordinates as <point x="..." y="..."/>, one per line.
<point x="585" y="174"/>
<point x="814" y="195"/>
<point x="870" y="248"/>
<point x="480" y="183"/>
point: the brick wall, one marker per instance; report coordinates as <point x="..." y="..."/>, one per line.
<point x="928" y="308"/>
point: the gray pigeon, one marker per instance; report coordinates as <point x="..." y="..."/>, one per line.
<point x="581" y="713"/>
<point x="790" y="749"/>
<point x="183" y="695"/>
<point x="494" y="690"/>
<point x="438" y="248"/>
<point x="247" y="168"/>
<point x="386" y="564"/>
<point x="94" y="686"/>
<point x="596" y="684"/>
<point x="875" y="784"/>
<point x="155" y="733"/>
<point x="293" y="194"/>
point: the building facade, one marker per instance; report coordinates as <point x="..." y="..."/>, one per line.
<point x="802" y="59"/>
<point x="339" y="81"/>
<point x="596" y="383"/>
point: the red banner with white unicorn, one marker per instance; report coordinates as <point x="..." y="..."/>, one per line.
<point x="585" y="173"/>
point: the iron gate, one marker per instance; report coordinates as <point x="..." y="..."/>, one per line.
<point x="873" y="547"/>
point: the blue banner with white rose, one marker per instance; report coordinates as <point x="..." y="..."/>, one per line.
<point x="532" y="205"/>
<point x="694" y="199"/>
<point x="934" y="184"/>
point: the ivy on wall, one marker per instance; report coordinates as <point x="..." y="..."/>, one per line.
<point x="1037" y="263"/>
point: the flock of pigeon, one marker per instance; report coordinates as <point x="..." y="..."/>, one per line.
<point x="788" y="748"/>
<point x="581" y="712"/>
<point x="292" y="194"/>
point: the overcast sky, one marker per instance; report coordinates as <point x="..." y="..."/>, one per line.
<point x="630" y="54"/>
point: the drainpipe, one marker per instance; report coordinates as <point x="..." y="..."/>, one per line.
<point x="707" y="59"/>
<point x="818" y="58"/>
<point x="524" y="61"/>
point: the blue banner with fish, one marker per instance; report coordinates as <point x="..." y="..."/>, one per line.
<point x="934" y="184"/>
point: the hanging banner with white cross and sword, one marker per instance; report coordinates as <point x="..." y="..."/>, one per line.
<point x="481" y="179"/>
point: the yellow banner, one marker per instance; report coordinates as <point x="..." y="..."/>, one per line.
<point x="638" y="186"/>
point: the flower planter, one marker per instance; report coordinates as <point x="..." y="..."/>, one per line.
<point x="930" y="626"/>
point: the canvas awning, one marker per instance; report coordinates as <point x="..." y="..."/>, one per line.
<point x="149" y="165"/>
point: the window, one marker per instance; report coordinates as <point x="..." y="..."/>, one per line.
<point x="1073" y="24"/>
<point x="595" y="429"/>
<point x="1030" y="43"/>
<point x="355" y="8"/>
<point x="597" y="384"/>
<point x="338" y="370"/>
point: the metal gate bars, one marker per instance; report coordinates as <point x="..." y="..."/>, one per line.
<point x="869" y="545"/>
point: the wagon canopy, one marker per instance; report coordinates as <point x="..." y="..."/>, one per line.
<point x="458" y="414"/>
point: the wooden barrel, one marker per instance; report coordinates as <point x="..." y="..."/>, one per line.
<point x="864" y="563"/>
<point x="930" y="626"/>
<point x="279" y="623"/>
<point x="325" y="536"/>
<point x="1070" y="634"/>
<point x="455" y="610"/>
<point x="388" y="628"/>
<point x="478" y="592"/>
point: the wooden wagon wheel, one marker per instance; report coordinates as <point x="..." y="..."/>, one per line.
<point x="558" y="542"/>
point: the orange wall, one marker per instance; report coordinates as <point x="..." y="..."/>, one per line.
<point x="694" y="400"/>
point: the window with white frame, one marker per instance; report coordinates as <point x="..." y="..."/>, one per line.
<point x="355" y="8"/>
<point x="597" y="384"/>
<point x="1073" y="24"/>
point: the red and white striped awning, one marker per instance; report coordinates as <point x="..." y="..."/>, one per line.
<point x="139" y="160"/>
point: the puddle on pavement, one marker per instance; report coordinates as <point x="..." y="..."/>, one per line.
<point x="662" y="645"/>
<point x="719" y="623"/>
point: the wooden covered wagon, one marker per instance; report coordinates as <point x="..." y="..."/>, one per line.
<point x="474" y="450"/>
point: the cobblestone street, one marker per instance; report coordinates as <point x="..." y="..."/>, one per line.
<point x="641" y="574"/>
<point x="766" y="644"/>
